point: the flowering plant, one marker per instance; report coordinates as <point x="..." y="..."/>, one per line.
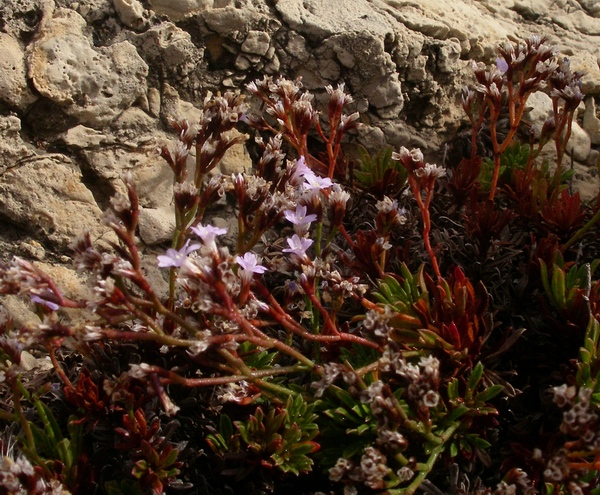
<point x="359" y="336"/>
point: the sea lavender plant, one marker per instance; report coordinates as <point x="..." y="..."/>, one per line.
<point x="346" y="338"/>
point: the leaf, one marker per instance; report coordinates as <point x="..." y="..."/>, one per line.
<point x="475" y="377"/>
<point x="490" y="393"/>
<point x="225" y="427"/>
<point x="453" y="389"/>
<point x="558" y="286"/>
<point x="457" y="412"/>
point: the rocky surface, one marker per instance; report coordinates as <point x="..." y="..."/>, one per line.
<point x="87" y="88"/>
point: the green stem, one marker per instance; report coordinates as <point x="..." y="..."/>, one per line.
<point x="581" y="232"/>
<point x="427" y="467"/>
<point x="18" y="392"/>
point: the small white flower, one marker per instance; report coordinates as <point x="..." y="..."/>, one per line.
<point x="138" y="371"/>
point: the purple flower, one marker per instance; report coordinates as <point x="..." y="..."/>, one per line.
<point x="299" y="171"/>
<point x="49" y="304"/>
<point x="313" y="181"/>
<point x="208" y="233"/>
<point x="502" y="65"/>
<point x="299" y="217"/>
<point x="298" y="245"/>
<point x="249" y="265"/>
<point x="175" y="258"/>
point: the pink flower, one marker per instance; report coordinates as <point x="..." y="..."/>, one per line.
<point x="44" y="302"/>
<point x="249" y="265"/>
<point x="299" y="217"/>
<point x="174" y="257"/>
<point x="313" y="181"/>
<point x="298" y="245"/>
<point x="208" y="233"/>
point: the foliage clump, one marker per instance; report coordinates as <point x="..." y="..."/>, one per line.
<point x="383" y="325"/>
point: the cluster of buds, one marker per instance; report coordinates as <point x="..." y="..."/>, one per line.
<point x="422" y="178"/>
<point x="295" y="116"/>
<point x="371" y="470"/>
<point x="422" y="379"/>
<point x="520" y="70"/>
<point x="19" y="476"/>
<point x="581" y="424"/>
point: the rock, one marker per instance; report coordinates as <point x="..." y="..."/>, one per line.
<point x="591" y="122"/>
<point x="174" y="108"/>
<point x="540" y="105"/>
<point x="82" y="137"/>
<point x="94" y="86"/>
<point x="154" y="102"/>
<point x="13" y="74"/>
<point x="135" y="127"/>
<point x="592" y="159"/>
<point x="588" y="64"/>
<point x="170" y="48"/>
<point x="236" y="159"/>
<point x="111" y="76"/>
<point x="579" y="145"/>
<point x="257" y="42"/>
<point x="22" y="17"/>
<point x="46" y="195"/>
<point x="180" y="9"/>
<point x="156" y="225"/>
<point x="592" y="7"/>
<point x="153" y="180"/>
<point x="13" y="150"/>
<point x="131" y="13"/>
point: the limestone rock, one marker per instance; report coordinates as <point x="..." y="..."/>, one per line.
<point x="92" y="85"/>
<point x="13" y="74"/>
<point x="22" y="17"/>
<point x="540" y="105"/>
<point x="46" y="195"/>
<point x="236" y="159"/>
<point x="257" y="42"/>
<point x="591" y="122"/>
<point x="156" y="225"/>
<point x="130" y="12"/>
<point x="13" y="150"/>
<point x="81" y="137"/>
<point x="170" y="47"/>
<point x="588" y="64"/>
<point x="92" y="62"/>
<point x="579" y="145"/>
<point x="180" y="9"/>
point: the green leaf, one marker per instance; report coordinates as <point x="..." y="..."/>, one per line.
<point x="453" y="449"/>
<point x="478" y="442"/>
<point x="490" y="393"/>
<point x="63" y="448"/>
<point x="475" y="377"/>
<point x="225" y="427"/>
<point x="558" y="286"/>
<point x="453" y="389"/>
<point x="458" y="412"/>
